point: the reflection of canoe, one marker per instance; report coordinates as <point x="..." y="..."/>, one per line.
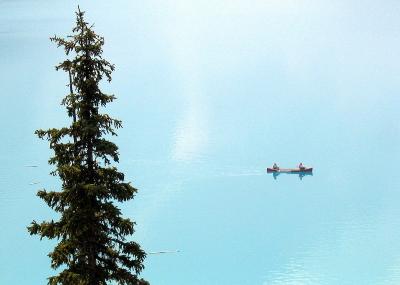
<point x="290" y="170"/>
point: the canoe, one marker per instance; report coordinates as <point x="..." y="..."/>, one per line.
<point x="290" y="170"/>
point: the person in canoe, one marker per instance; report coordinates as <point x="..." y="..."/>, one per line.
<point x="301" y="166"/>
<point x="275" y="166"/>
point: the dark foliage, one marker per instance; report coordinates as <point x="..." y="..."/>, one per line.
<point x="92" y="247"/>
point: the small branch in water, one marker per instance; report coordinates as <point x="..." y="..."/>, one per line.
<point x="164" y="251"/>
<point x="30" y="166"/>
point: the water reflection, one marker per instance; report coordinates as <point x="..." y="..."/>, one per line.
<point x="300" y="174"/>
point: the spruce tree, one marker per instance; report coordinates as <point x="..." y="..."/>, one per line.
<point x="92" y="235"/>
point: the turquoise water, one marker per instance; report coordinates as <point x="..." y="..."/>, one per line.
<point x="211" y="93"/>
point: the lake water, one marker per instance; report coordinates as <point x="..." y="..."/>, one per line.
<point x="211" y="93"/>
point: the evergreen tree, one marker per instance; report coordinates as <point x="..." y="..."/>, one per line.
<point x="92" y="247"/>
